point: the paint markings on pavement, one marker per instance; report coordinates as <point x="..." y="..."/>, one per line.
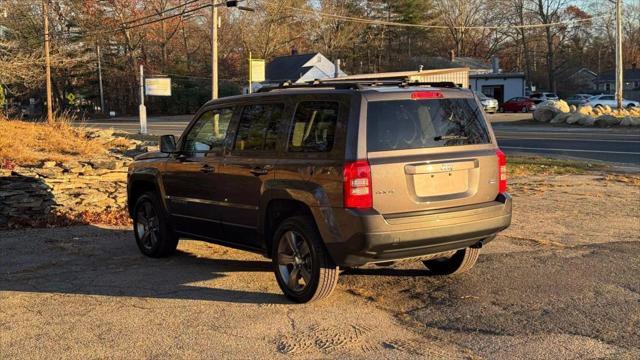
<point x="571" y="150"/>
<point x="568" y="139"/>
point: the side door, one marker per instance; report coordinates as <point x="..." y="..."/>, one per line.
<point x="248" y="167"/>
<point x="609" y="100"/>
<point x="192" y="175"/>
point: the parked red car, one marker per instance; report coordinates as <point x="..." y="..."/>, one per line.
<point x="518" y="104"/>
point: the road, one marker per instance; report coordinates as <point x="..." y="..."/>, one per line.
<point x="515" y="135"/>
<point x="555" y="287"/>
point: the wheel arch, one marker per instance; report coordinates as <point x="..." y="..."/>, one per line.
<point x="279" y="204"/>
<point x="139" y="184"/>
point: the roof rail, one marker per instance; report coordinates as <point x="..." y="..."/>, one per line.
<point x="353" y="84"/>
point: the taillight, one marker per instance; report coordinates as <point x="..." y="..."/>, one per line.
<point x="418" y="95"/>
<point x="357" y="185"/>
<point x="502" y="171"/>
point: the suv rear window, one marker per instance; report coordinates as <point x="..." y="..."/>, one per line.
<point x="416" y="124"/>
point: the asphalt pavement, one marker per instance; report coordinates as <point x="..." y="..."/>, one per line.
<point x="516" y="134"/>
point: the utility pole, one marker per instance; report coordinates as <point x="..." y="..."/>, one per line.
<point x="100" y="79"/>
<point x="45" y="12"/>
<point x="619" y="63"/>
<point x="214" y="50"/>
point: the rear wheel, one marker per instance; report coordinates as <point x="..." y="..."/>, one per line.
<point x="154" y="236"/>
<point x="459" y="262"/>
<point x="302" y="266"/>
<point x="525" y="109"/>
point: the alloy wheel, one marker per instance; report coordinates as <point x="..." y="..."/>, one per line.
<point x="147" y="225"/>
<point x="295" y="264"/>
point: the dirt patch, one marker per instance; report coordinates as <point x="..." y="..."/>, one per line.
<point x="576" y="209"/>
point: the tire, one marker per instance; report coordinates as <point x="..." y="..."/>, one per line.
<point x="154" y="235"/>
<point x="310" y="257"/>
<point x="524" y="109"/>
<point x="463" y="260"/>
<point x="501" y="110"/>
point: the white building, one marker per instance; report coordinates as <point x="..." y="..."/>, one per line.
<point x="500" y="86"/>
<point x="300" y="68"/>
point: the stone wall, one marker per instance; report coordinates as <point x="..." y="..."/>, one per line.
<point x="34" y="195"/>
<point x="50" y="193"/>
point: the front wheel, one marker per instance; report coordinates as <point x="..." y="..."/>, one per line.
<point x="459" y="262"/>
<point x="154" y="235"/>
<point x="302" y="266"/>
<point x="525" y="109"/>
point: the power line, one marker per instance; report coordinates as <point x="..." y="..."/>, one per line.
<point x="125" y="27"/>
<point x="427" y="26"/>
<point x="184" y="5"/>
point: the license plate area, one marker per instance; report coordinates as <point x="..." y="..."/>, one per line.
<point x="441" y="180"/>
<point x="441" y="184"/>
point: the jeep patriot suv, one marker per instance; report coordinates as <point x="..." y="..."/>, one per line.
<point x="327" y="175"/>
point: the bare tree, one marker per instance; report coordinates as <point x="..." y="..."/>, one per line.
<point x="548" y="12"/>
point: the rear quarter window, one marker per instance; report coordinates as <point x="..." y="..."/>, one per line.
<point x="314" y="126"/>
<point x="415" y="124"/>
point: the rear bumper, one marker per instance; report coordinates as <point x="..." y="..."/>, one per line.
<point x="379" y="239"/>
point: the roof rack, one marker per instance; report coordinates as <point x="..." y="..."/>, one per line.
<point x="354" y="84"/>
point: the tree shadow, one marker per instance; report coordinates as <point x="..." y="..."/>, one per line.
<point x="104" y="262"/>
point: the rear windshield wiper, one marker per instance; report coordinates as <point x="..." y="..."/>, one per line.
<point x="450" y="137"/>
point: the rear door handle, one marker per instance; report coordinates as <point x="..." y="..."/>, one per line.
<point x="207" y="169"/>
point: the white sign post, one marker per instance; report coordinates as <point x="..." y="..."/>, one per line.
<point x="151" y="87"/>
<point x="143" y="109"/>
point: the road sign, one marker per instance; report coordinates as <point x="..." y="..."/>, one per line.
<point x="257" y="70"/>
<point x="157" y="86"/>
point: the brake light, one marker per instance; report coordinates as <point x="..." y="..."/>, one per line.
<point x="502" y="171"/>
<point x="357" y="185"/>
<point x="418" y="95"/>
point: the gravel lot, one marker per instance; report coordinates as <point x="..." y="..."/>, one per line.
<point x="562" y="282"/>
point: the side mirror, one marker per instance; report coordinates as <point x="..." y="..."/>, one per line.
<point x="168" y="144"/>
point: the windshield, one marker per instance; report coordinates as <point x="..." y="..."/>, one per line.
<point x="411" y="124"/>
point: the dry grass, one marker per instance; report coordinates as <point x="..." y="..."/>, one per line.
<point x="116" y="217"/>
<point x="525" y="166"/>
<point x="625" y="179"/>
<point x="30" y="143"/>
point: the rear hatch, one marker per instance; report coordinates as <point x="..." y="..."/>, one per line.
<point x="429" y="150"/>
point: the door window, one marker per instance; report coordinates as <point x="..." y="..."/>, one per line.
<point x="208" y="132"/>
<point x="314" y="126"/>
<point x="258" y="128"/>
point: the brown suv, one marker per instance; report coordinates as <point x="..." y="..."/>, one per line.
<point x="328" y="175"/>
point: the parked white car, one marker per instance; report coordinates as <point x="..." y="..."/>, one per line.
<point x="489" y="104"/>
<point x="543" y="96"/>
<point x="578" y="99"/>
<point x="610" y="100"/>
